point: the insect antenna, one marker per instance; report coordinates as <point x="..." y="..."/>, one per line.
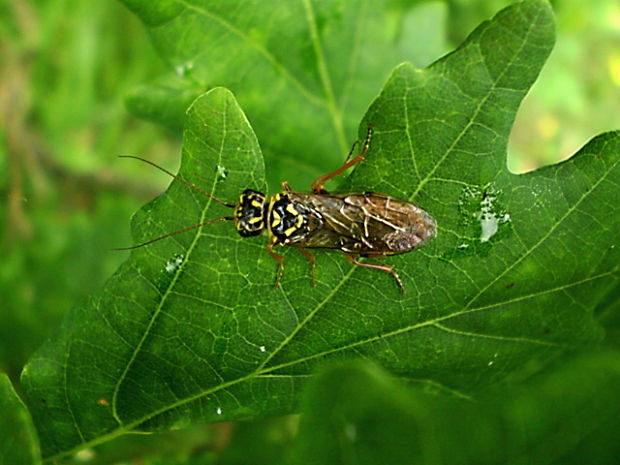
<point x="187" y="183"/>
<point x="174" y="233"/>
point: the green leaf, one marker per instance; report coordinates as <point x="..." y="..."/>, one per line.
<point x="18" y="439"/>
<point x="609" y="316"/>
<point x="165" y="100"/>
<point x="304" y="71"/>
<point x="354" y="413"/>
<point x="190" y="329"/>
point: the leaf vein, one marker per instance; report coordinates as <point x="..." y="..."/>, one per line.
<point x="529" y="251"/>
<point x="493" y="336"/>
<point x="303" y="90"/>
<point x="168" y="291"/>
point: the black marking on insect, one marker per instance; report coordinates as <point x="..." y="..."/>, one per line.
<point x="359" y="224"/>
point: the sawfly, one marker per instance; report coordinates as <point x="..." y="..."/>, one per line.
<point x="359" y="224"/>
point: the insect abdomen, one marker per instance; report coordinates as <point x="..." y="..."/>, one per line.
<point x="368" y="224"/>
<point x="394" y="226"/>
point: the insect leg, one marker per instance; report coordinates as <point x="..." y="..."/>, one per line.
<point x="280" y="259"/>
<point x="286" y="186"/>
<point x="378" y="266"/>
<point x="312" y="258"/>
<point x="317" y="185"/>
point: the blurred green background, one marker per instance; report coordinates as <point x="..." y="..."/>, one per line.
<point x="66" y="200"/>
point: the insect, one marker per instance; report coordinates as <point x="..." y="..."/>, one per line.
<point x="359" y="224"/>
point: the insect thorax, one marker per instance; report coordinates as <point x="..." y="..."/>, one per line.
<point x="250" y="213"/>
<point x="288" y="220"/>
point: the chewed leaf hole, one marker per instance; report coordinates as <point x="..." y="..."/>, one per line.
<point x="483" y="221"/>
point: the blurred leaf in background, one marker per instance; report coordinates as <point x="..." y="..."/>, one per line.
<point x="19" y="444"/>
<point x="354" y="413"/>
<point x="303" y="95"/>
<point x="65" y="198"/>
<point x="577" y="93"/>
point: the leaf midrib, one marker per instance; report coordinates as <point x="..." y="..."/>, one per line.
<point x="476" y="113"/>
<point x="328" y="101"/>
<point x="334" y="111"/>
<point x="170" y="288"/>
<point x="266" y="371"/>
<point x="260" y="49"/>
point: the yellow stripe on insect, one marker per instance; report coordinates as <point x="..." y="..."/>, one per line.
<point x="291" y="209"/>
<point x="256" y="219"/>
<point x="256" y="203"/>
<point x="276" y="219"/>
<point x="290" y="231"/>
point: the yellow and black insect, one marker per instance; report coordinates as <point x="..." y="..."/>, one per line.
<point x="359" y="224"/>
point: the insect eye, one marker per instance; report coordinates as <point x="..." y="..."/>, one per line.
<point x="249" y="213"/>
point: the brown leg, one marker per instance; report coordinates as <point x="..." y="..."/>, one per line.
<point x="317" y="185"/>
<point x="280" y="259"/>
<point x="377" y="266"/>
<point x="312" y="258"/>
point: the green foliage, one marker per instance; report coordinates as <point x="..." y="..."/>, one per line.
<point x="18" y="439"/>
<point x="585" y="64"/>
<point x="314" y="64"/>
<point x="190" y="330"/>
<point x="65" y="199"/>
<point x="356" y="414"/>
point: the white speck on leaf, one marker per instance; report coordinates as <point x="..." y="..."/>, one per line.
<point x="262" y="348"/>
<point x="174" y="263"/>
<point x="183" y="69"/>
<point x="490" y="218"/>
<point x="350" y="431"/>
<point x="218" y="411"/>
<point x="85" y="455"/>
